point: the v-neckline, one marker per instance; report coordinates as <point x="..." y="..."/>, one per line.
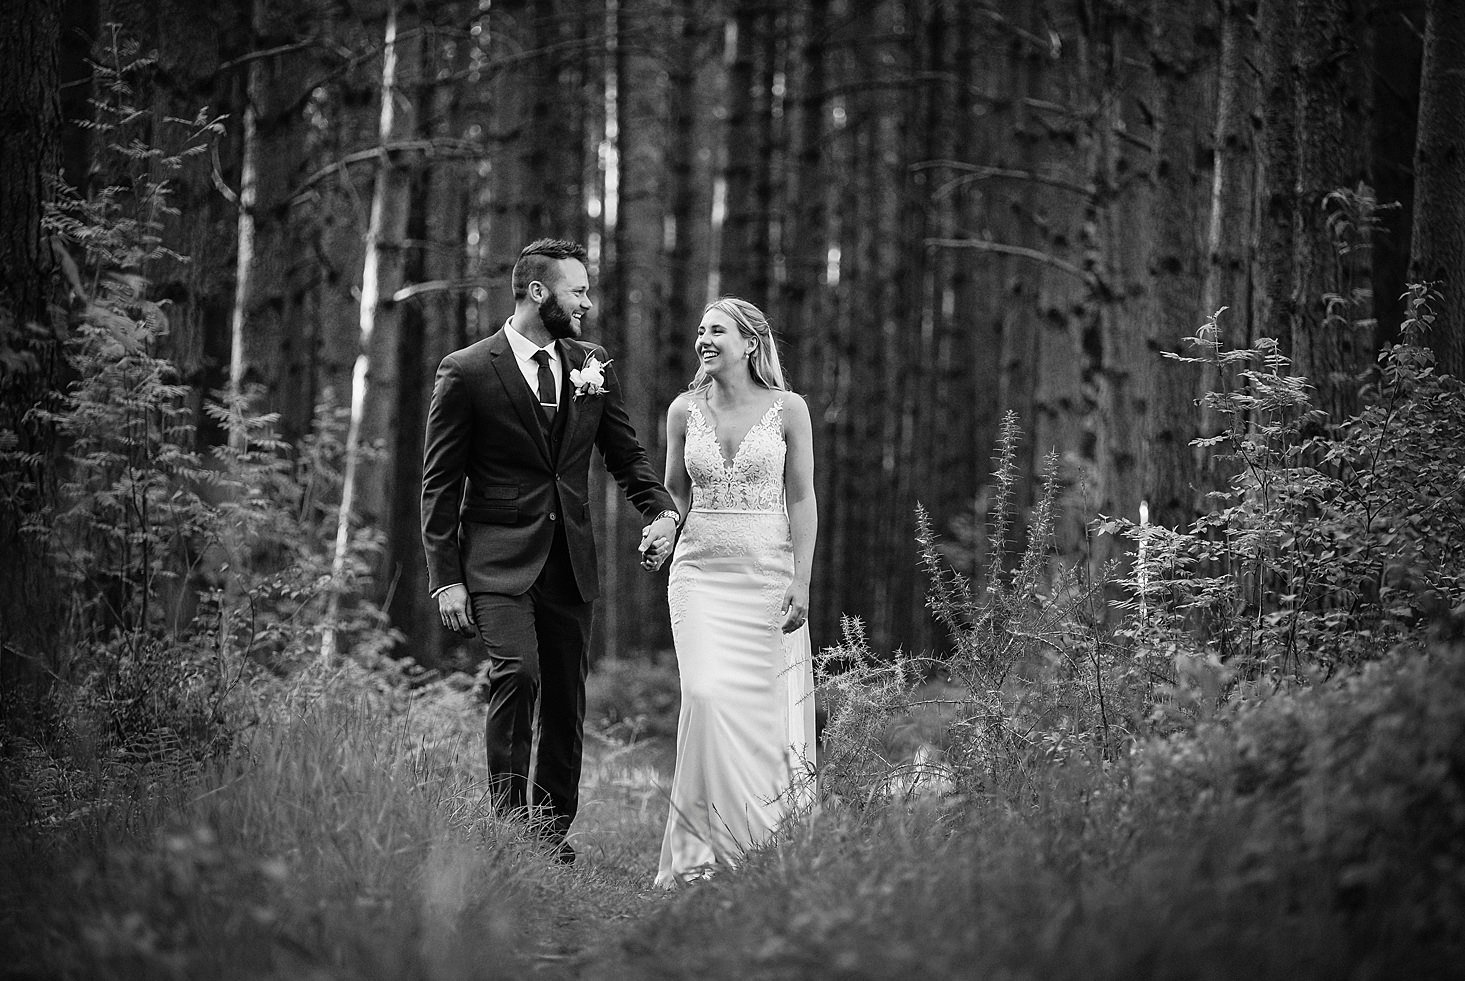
<point x="738" y="450"/>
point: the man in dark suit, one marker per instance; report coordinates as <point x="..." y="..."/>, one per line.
<point x="506" y="522"/>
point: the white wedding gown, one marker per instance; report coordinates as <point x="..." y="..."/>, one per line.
<point x="745" y="735"/>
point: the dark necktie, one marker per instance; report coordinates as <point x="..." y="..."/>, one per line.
<point x="547" y="400"/>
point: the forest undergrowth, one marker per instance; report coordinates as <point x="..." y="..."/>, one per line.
<point x="1239" y="752"/>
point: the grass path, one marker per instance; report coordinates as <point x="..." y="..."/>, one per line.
<point x="618" y="836"/>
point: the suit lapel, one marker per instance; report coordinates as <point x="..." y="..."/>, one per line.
<point x="507" y="368"/>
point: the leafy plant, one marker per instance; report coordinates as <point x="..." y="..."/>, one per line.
<point x="180" y="570"/>
<point x="1030" y="675"/>
<point x="1331" y="543"/>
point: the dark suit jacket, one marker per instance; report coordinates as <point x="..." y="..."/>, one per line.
<point x="492" y="487"/>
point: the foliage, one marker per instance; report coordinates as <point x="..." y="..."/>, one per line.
<point x="1310" y="836"/>
<point x="1029" y="675"/>
<point x="1331" y="544"/>
<point x="178" y="572"/>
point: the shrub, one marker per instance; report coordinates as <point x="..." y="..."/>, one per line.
<point x="1331" y="543"/>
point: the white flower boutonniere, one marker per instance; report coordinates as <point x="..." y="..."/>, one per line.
<point x="589" y="378"/>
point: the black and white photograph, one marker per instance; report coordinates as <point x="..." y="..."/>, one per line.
<point x="733" y="490"/>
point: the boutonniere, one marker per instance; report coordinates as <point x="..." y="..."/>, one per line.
<point x="589" y="378"/>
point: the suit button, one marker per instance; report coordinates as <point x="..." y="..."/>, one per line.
<point x="553" y="516"/>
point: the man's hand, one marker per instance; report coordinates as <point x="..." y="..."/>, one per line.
<point x="656" y="542"/>
<point x="454" y="611"/>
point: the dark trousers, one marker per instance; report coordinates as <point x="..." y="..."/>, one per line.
<point x="536" y="644"/>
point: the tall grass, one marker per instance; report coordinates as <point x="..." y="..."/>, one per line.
<point x="1314" y="836"/>
<point x="348" y="836"/>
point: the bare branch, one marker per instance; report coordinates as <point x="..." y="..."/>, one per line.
<point x="436" y="286"/>
<point x="976" y="172"/>
<point x="1047" y="259"/>
<point x="443" y="147"/>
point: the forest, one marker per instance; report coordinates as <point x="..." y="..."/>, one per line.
<point x="1131" y="332"/>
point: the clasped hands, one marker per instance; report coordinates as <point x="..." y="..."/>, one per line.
<point x="656" y="543"/>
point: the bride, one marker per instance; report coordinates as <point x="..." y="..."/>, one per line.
<point x="739" y="464"/>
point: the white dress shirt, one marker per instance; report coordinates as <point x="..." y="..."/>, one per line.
<point x="524" y="351"/>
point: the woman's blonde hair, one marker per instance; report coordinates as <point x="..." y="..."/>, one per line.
<point x="763" y="362"/>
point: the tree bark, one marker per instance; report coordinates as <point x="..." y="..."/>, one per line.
<point x="369" y="484"/>
<point x="1229" y="228"/>
<point x="1274" y="276"/>
<point x="436" y="322"/>
<point x="1124" y="163"/>
<point x="1395" y="70"/>
<point x="265" y="344"/>
<point x="1332" y="339"/>
<point x="29" y="362"/>
<point x="1178" y="261"/>
<point x="1437" y="252"/>
<point x="29" y="141"/>
<point x="746" y="249"/>
<point x="635" y="302"/>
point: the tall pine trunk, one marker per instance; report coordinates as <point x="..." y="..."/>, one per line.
<point x="1331" y="329"/>
<point x="265" y="347"/>
<point x="1437" y="252"/>
<point x="1177" y="266"/>
<point x="438" y="317"/>
<point x="29" y="355"/>
<point x="635" y="303"/>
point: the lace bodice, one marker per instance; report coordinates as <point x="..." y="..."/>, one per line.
<point x="752" y="480"/>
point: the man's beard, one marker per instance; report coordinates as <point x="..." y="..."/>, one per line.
<point x="556" y="319"/>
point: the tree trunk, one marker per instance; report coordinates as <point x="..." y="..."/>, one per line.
<point x="265" y="348"/>
<point x="438" y="318"/>
<point x="690" y="162"/>
<point x="1332" y="326"/>
<point x="635" y="303"/>
<point x="799" y="312"/>
<point x="746" y="249"/>
<point x="1395" y="68"/>
<point x="1229" y="228"/>
<point x="1437" y="253"/>
<point x="539" y="111"/>
<point x="1123" y="152"/>
<point x="1273" y="274"/>
<point x="1178" y="262"/>
<point x="29" y="361"/>
<point x="369" y="484"/>
<point x="29" y="141"/>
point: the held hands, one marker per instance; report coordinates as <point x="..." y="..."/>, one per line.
<point x="656" y="543"/>
<point x="453" y="610"/>
<point x="795" y="606"/>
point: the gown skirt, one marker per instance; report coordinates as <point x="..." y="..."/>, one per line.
<point x="745" y="733"/>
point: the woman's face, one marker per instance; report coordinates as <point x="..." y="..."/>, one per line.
<point x="720" y="345"/>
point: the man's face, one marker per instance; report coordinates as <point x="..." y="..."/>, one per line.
<point x="566" y="300"/>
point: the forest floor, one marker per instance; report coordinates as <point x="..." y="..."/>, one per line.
<point x="586" y="907"/>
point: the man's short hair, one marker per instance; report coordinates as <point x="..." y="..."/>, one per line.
<point x="537" y="262"/>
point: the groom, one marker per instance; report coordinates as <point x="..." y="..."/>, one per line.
<point x="506" y="522"/>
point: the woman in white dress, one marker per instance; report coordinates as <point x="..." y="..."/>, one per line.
<point x="739" y="464"/>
